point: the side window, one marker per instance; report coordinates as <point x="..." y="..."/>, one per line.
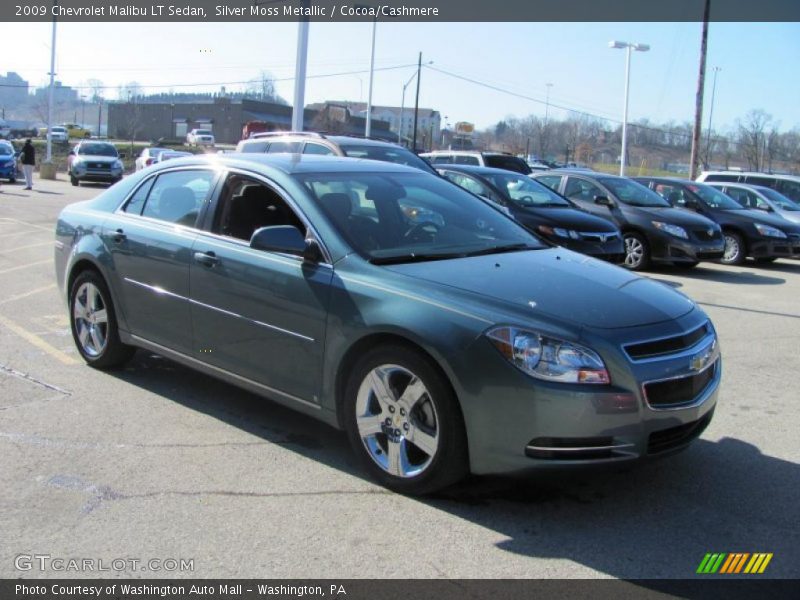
<point x="673" y="195"/>
<point x="765" y="181"/>
<point x="468" y="183"/>
<point x="254" y="147"/>
<point x="441" y="159"/>
<point x="135" y="204"/>
<point x="789" y="188"/>
<point x="721" y="177"/>
<point x="276" y="147"/>
<point x="580" y="189"/>
<point x="463" y="159"/>
<point x="312" y="148"/>
<point x="246" y="205"/>
<point x="551" y="181"/>
<point x="177" y="197"/>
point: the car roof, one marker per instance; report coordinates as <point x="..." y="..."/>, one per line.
<point x="752" y="174"/>
<point x="477" y="170"/>
<point x="747" y="186"/>
<point x="336" y="139"/>
<point x="670" y="179"/>
<point x="296" y="163"/>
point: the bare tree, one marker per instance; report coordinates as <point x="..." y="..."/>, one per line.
<point x="752" y="137"/>
<point x="263" y="88"/>
<point x="95" y="88"/>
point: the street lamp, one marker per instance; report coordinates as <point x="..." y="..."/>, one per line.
<point x="368" y="130"/>
<point x="628" y="47"/>
<point x="403" y="104"/>
<point x="711" y="114"/>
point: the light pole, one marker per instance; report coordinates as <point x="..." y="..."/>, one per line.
<point x="49" y="155"/>
<point x="710" y="115"/>
<point x="300" y="73"/>
<point x="628" y="47"/>
<point x="371" y="75"/>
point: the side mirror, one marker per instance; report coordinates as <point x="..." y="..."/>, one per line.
<point x="603" y="201"/>
<point x="287" y="239"/>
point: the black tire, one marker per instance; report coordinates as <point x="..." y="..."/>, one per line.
<point x="113" y="353"/>
<point x="73" y="180"/>
<point x="12" y="180"/>
<point x="735" y="250"/>
<point x="449" y="463"/>
<point x="640" y="260"/>
<point x="765" y="260"/>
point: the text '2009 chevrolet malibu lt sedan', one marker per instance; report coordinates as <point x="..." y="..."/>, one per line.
<point x="440" y="334"/>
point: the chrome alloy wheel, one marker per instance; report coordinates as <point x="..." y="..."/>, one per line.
<point x="732" y="249"/>
<point x="397" y="421"/>
<point x="91" y="320"/>
<point x="634" y="252"/>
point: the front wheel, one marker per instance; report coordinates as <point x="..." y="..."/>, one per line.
<point x="94" y="323"/>
<point x="637" y="252"/>
<point x="735" y="253"/>
<point x="404" y="422"/>
<point x="73" y="180"/>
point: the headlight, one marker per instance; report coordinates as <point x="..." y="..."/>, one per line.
<point x="768" y="231"/>
<point x="558" y="232"/>
<point x="78" y="164"/>
<point x="671" y="229"/>
<point x="117" y="164"/>
<point x="548" y="358"/>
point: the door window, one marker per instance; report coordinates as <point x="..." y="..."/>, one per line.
<point x="580" y="189"/>
<point x="551" y="181"/>
<point x="671" y="193"/>
<point x="463" y="159"/>
<point x="468" y="183"/>
<point x="136" y="203"/>
<point x="276" y="147"/>
<point x="177" y="197"/>
<point x="311" y="148"/>
<point x="247" y="205"/>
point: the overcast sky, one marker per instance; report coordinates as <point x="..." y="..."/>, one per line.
<point x="758" y="62"/>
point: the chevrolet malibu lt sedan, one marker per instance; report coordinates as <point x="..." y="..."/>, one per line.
<point x="441" y="346"/>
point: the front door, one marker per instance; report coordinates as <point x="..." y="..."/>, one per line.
<point x="260" y="315"/>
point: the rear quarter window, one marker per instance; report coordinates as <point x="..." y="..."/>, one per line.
<point x="252" y="146"/>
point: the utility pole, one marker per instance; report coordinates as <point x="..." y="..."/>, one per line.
<point x="698" y="106"/>
<point x="416" y="103"/>
<point x="710" y="115"/>
<point x="49" y="155"/>
<point x="371" y="76"/>
<point x="99" y="115"/>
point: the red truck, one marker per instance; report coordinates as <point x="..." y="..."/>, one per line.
<point x="252" y="127"/>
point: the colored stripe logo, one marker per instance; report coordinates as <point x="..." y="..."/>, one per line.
<point x="734" y="562"/>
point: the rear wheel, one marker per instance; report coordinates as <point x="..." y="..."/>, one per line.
<point x="94" y="323"/>
<point x="404" y="422"/>
<point x="637" y="252"/>
<point x="735" y="252"/>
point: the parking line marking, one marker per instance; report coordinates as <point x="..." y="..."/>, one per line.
<point x="7" y="235"/>
<point x="47" y="243"/>
<point x="34" y="339"/>
<point x="33" y="264"/>
<point x="26" y="294"/>
<point x="34" y="225"/>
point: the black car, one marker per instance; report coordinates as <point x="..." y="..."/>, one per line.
<point x="541" y="210"/>
<point x="653" y="231"/>
<point x="747" y="232"/>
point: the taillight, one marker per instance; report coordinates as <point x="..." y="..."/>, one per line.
<point x="148" y="162"/>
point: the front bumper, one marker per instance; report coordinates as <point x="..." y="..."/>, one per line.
<point x="775" y="247"/>
<point x="516" y="423"/>
<point x="97" y="175"/>
<point x="8" y="172"/>
<point x="668" y="248"/>
<point x="611" y="251"/>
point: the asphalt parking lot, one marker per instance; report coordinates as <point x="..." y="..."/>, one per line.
<point x="157" y="461"/>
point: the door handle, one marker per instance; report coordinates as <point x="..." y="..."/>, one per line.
<point x="119" y="236"/>
<point x="208" y="259"/>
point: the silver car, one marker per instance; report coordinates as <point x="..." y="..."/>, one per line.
<point x="761" y="198"/>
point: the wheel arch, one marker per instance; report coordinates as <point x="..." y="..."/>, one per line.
<point x="740" y="232"/>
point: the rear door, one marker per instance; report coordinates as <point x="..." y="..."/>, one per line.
<point x="151" y="239"/>
<point x="257" y="314"/>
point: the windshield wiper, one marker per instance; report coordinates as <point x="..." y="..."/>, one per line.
<point x="501" y="249"/>
<point x="411" y="258"/>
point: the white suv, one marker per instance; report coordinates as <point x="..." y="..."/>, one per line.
<point x="788" y="185"/>
<point x="200" y="137"/>
<point x="497" y="160"/>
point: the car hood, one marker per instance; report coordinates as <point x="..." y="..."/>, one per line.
<point x="759" y="216"/>
<point x="569" y="218"/>
<point x="96" y="158"/>
<point x="676" y="216"/>
<point x="559" y="284"/>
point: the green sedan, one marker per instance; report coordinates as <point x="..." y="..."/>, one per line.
<point x="443" y="337"/>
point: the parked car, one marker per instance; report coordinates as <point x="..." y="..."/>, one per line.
<point x="497" y="160"/>
<point x="147" y="157"/>
<point x="652" y="230"/>
<point x="746" y="232"/>
<point x="788" y="185"/>
<point x="200" y="137"/>
<point x="8" y="161"/>
<point x="77" y="131"/>
<point x="542" y="210"/>
<point x="170" y="154"/>
<point x="309" y="142"/>
<point x="761" y="198"/>
<point x="57" y="134"/>
<point x="94" y="161"/>
<point x="440" y="350"/>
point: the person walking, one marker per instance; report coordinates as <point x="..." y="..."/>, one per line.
<point x="28" y="158"/>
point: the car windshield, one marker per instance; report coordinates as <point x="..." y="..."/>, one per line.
<point x="202" y="132"/>
<point x="409" y="217"/>
<point x="633" y="193"/>
<point x="509" y="163"/>
<point x="782" y="201"/>
<point x="524" y="191"/>
<point x="392" y="154"/>
<point x="58" y="130"/>
<point x="97" y="149"/>
<point x="6" y="150"/>
<point x="714" y="198"/>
